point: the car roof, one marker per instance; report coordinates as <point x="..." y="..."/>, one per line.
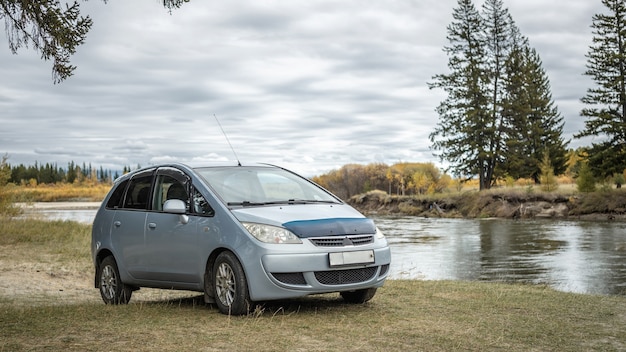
<point x="195" y="165"/>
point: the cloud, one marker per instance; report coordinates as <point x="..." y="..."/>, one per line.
<point x="311" y="86"/>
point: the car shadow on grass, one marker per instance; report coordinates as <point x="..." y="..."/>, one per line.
<point x="308" y="304"/>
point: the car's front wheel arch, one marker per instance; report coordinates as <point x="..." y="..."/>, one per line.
<point x="229" y="284"/>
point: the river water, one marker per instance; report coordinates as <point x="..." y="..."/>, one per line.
<point x="568" y="255"/>
<point x="572" y="256"/>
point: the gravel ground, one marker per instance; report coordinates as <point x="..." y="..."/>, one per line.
<point x="31" y="278"/>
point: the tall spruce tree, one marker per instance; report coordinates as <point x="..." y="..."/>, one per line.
<point x="537" y="126"/>
<point x="456" y="134"/>
<point x="483" y="129"/>
<point x="502" y="35"/>
<point x="606" y="102"/>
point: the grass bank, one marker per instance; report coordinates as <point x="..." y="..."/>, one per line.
<point x="404" y="315"/>
<point x="500" y="202"/>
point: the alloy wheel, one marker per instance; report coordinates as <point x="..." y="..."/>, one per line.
<point x="108" y="282"/>
<point x="225" y="286"/>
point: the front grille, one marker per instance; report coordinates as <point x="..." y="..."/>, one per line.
<point x="290" y="278"/>
<point x="342" y="277"/>
<point x="341" y="241"/>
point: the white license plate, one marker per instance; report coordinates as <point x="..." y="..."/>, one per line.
<point x="354" y="257"/>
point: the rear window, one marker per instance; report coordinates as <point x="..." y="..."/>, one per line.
<point x="138" y="193"/>
<point x="133" y="193"/>
<point x="117" y="197"/>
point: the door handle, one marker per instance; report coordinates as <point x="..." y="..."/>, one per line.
<point x="117" y="224"/>
<point x="152" y="225"/>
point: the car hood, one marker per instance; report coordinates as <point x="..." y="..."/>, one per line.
<point x="310" y="220"/>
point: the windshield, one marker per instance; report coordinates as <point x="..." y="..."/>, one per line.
<point x="248" y="186"/>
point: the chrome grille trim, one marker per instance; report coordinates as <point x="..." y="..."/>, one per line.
<point x="342" y="241"/>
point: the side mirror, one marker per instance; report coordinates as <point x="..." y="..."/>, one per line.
<point x="175" y="206"/>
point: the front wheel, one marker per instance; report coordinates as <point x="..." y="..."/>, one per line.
<point x="230" y="286"/>
<point x="358" y="296"/>
<point x="112" y="289"/>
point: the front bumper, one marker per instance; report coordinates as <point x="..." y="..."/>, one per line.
<point x="293" y="275"/>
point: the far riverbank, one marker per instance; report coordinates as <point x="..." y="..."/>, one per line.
<point x="514" y="204"/>
<point x="500" y="203"/>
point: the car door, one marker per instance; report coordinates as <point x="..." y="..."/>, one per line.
<point x="171" y="240"/>
<point x="129" y="222"/>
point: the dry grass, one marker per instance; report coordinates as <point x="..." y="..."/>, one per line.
<point x="60" y="192"/>
<point x="404" y="315"/>
<point x="66" y="241"/>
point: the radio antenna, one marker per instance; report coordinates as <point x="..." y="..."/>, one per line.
<point x="227" y="140"/>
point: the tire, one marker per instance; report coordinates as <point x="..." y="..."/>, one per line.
<point x="112" y="289"/>
<point x="358" y="296"/>
<point x="230" y="288"/>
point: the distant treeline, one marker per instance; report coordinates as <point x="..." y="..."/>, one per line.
<point x="52" y="173"/>
<point x="409" y="179"/>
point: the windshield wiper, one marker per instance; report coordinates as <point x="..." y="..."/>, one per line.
<point x="246" y="203"/>
<point x="300" y="201"/>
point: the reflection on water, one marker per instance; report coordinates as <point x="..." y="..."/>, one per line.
<point x="573" y="256"/>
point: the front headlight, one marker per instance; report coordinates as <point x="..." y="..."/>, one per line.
<point x="379" y="234"/>
<point x="271" y="234"/>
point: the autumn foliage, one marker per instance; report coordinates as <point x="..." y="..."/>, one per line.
<point x="399" y="179"/>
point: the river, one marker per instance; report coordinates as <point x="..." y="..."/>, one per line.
<point x="568" y="255"/>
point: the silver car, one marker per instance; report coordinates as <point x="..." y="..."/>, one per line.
<point x="240" y="234"/>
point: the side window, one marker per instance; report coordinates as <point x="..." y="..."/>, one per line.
<point x="118" y="196"/>
<point x="138" y="193"/>
<point x="166" y="188"/>
<point x="200" y="205"/>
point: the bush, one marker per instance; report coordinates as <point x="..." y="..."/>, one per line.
<point x="7" y="206"/>
<point x="585" y="181"/>
<point x="547" y="178"/>
<point x="618" y="179"/>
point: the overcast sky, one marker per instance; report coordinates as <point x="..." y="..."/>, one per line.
<point x="309" y="85"/>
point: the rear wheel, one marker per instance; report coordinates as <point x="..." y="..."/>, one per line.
<point x="112" y="289"/>
<point x="358" y="296"/>
<point x="230" y="286"/>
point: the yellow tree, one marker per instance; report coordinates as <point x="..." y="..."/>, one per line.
<point x="547" y="178"/>
<point x="6" y="199"/>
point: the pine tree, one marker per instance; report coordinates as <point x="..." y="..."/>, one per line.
<point x="501" y="34"/>
<point x="606" y="102"/>
<point x="71" y="172"/>
<point x="54" y="29"/>
<point x="547" y="178"/>
<point x="498" y="117"/>
<point x="537" y="126"/>
<point x="456" y="134"/>
<point x="585" y="182"/>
